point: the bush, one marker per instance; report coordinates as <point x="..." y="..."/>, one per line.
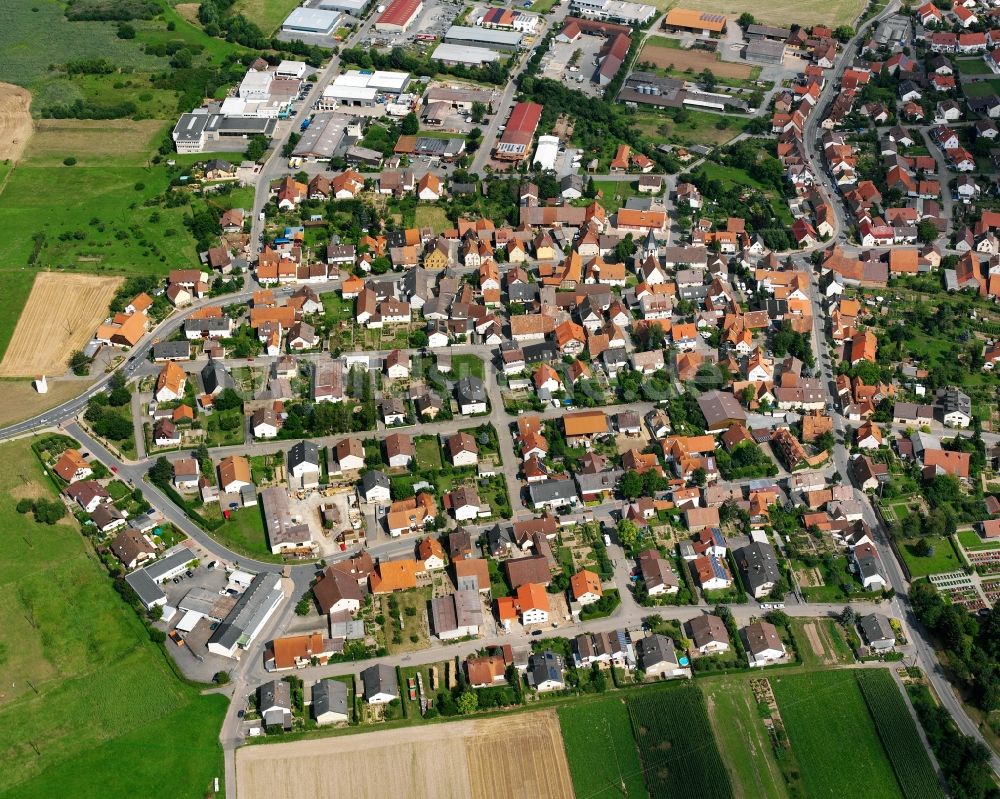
<point x="69" y="161"/>
<point x="24" y="505"/>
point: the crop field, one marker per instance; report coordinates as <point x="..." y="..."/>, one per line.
<point x="743" y="740"/>
<point x="784" y="12"/>
<point x="828" y="725"/>
<point x="60" y="316"/>
<point x="511" y="757"/>
<point x="899" y="735"/>
<point x="696" y="60"/>
<point x="603" y="759"/>
<point x="679" y="753"/>
<point x="79" y="699"/>
<point x="15" y="121"/>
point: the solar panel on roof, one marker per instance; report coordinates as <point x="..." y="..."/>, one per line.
<point x="717" y="568"/>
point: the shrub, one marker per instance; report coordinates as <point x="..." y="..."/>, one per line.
<point x="69" y="161"/>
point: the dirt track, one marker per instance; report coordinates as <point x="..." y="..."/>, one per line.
<point x="506" y="757"/>
<point x="15" y="121"/>
<point x="61" y="315"/>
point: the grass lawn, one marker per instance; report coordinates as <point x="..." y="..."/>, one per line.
<point x="942" y="559"/>
<point x="543" y="6"/>
<point x="603" y="759"/>
<point x="971" y="540"/>
<point x="699" y="127"/>
<point x="428" y="452"/>
<point x="414" y="627"/>
<point x="88" y="695"/>
<point x="829" y="726"/>
<point x="982" y="88"/>
<point x="743" y="740"/>
<point x="244" y="533"/>
<point x="432" y="216"/>
<point x="615" y="193"/>
<point x="465" y="365"/>
<point x="216" y="436"/>
<point x="971" y="66"/>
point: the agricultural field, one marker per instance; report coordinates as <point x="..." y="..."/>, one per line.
<point x="743" y="740"/>
<point x="603" y="759"/>
<point x="828" y="725"/>
<point x="679" y="753"/>
<point x="15" y="121"/>
<point x="512" y="756"/>
<point x="784" y="12"/>
<point x="899" y="735"/>
<point x="79" y="699"/>
<point x="61" y="315"/>
<point x="694" y="60"/>
<point x="21" y="401"/>
<point x="820" y="642"/>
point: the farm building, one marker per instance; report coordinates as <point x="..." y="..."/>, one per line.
<point x="683" y="19"/>
<point x="765" y="51"/>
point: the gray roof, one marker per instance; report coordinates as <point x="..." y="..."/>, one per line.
<point x="172" y="349"/>
<point x="276" y="693"/>
<point x="249" y="610"/>
<point x="470" y="389"/>
<point x="329" y="696"/>
<point x="145" y="581"/>
<point x="544" y="666"/>
<point x="719" y="406"/>
<point x="379" y="679"/>
<point x="599" y="481"/>
<point x="374" y="479"/>
<point x="215" y="377"/>
<point x="654" y="650"/>
<point x="953" y="401"/>
<point x="758" y="565"/>
<point x="876" y="628"/>
<point x="303" y="452"/>
<point x="550" y="490"/>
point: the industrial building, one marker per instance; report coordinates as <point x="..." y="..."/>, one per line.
<point x="398" y="16"/>
<point x="360" y="89"/>
<point x="146" y="581"/>
<point x="352" y="7"/>
<point x="515" y="143"/>
<point x="452" y="54"/>
<point x="311" y="21"/>
<point x="207" y="131"/>
<point x="325" y="135"/>
<point x="446" y="149"/>
<point x="614" y="11"/>
<point x="647" y="88"/>
<point x="683" y="19"/>
<point x="251" y="612"/>
<point x="460" y="98"/>
<point x="765" y="51"/>
<point x="490" y="38"/>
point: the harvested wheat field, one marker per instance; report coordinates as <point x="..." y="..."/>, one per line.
<point x="784" y="12"/>
<point x="512" y="757"/>
<point x="21" y="401"/>
<point x="61" y="315"/>
<point x="696" y="60"/>
<point x="15" y="121"/>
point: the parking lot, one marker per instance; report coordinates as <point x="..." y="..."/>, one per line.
<point x="193" y="657"/>
<point x="556" y="63"/>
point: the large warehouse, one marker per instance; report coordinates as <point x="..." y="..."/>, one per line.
<point x="460" y="54"/>
<point x="614" y="11"/>
<point x="352" y="7"/>
<point x="683" y="19"/>
<point x="359" y="88"/>
<point x="765" y="51"/>
<point x="399" y="16"/>
<point x="311" y="21"/>
<point x="321" y="139"/>
<point x="489" y="38"/>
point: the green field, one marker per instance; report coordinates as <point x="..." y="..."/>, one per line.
<point x="244" y="533"/>
<point x="943" y="558"/>
<point x="267" y="14"/>
<point x="464" y="365"/>
<point x="84" y="690"/>
<point x="899" y="735"/>
<point x="679" y="753"/>
<point x="834" y="646"/>
<point x="603" y="760"/>
<point x="829" y="727"/>
<point x="743" y="740"/>
<point x="971" y="540"/>
<point x="982" y="88"/>
<point x="615" y="193"/>
<point x="971" y="66"/>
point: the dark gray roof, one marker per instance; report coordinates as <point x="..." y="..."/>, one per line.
<point x="379" y="679"/>
<point x="246" y="613"/>
<point x="373" y="479"/>
<point x="470" y="389"/>
<point x="876" y="628"/>
<point x="303" y="452"/>
<point x="539" y="351"/>
<point x="758" y="565"/>
<point x="329" y="696"/>
<point x="179" y="350"/>
<point x="523" y="292"/>
<point x="654" y="650"/>
<point x="544" y="666"/>
<point x="550" y="490"/>
<point x="215" y="377"/>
